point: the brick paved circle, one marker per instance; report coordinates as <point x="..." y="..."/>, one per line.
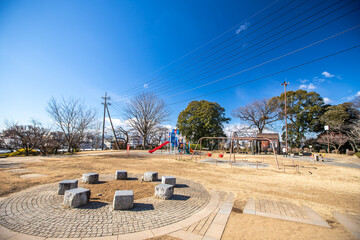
<point x="40" y="212"/>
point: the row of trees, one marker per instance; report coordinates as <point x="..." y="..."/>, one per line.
<point x="75" y="124"/>
<point x="307" y="114"/>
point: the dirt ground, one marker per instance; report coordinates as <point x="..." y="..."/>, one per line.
<point x="104" y="191"/>
<point x="324" y="188"/>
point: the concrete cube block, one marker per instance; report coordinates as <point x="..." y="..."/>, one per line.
<point x="164" y="191"/>
<point x="121" y="175"/>
<point x="168" y="180"/>
<point x="90" y="178"/>
<point x="123" y="200"/>
<point x="150" y="176"/>
<point x="76" y="197"/>
<point x="67" y="185"/>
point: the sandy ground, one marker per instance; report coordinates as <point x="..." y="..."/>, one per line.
<point x="104" y="190"/>
<point x="324" y="188"/>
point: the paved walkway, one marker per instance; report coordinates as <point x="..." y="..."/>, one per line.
<point x="37" y="214"/>
<point x="285" y="211"/>
<point x="351" y="223"/>
<point x="211" y="227"/>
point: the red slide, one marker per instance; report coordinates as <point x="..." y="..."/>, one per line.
<point x="151" y="151"/>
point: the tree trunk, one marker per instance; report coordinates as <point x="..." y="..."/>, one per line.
<point x="144" y="142"/>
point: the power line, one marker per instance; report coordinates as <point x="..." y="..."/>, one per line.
<point x="321" y="11"/>
<point x="228" y="39"/>
<point x="210" y="41"/>
<point x="272" y="74"/>
<point x="230" y="44"/>
<point x="188" y="90"/>
<point x="238" y="39"/>
<point x="301" y="35"/>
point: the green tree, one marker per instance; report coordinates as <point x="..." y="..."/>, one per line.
<point x="339" y="117"/>
<point x="343" y="119"/>
<point x="304" y="110"/>
<point x="202" y="119"/>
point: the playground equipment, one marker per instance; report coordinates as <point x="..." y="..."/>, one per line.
<point x="160" y="146"/>
<point x="233" y="140"/>
<point x="175" y="144"/>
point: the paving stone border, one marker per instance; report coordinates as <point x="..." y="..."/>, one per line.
<point x="284" y="211"/>
<point x="39" y="212"/>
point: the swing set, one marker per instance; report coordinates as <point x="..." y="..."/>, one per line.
<point x="234" y="140"/>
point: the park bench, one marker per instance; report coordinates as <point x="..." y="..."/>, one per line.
<point x="168" y="180"/>
<point x="121" y="175"/>
<point x="123" y="200"/>
<point x="164" y="191"/>
<point x="76" y="197"/>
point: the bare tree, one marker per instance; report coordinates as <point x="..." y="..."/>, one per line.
<point x="52" y="142"/>
<point x="354" y="135"/>
<point x="158" y="134"/>
<point x="259" y="113"/>
<point x="27" y="137"/>
<point x="94" y="136"/>
<point x="73" y="118"/>
<point x="335" y="140"/>
<point x="8" y="140"/>
<point x="145" y="112"/>
<point x="123" y="134"/>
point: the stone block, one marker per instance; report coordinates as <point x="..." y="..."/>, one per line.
<point x="164" y="191"/>
<point x="90" y="178"/>
<point x="150" y="176"/>
<point x="123" y="200"/>
<point x="121" y="175"/>
<point x="76" y="197"/>
<point x="67" y="185"/>
<point x="168" y="180"/>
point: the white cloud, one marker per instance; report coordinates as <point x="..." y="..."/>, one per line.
<point x="318" y="80"/>
<point x="307" y="87"/>
<point x="353" y="96"/>
<point x="327" y="74"/>
<point x="311" y="86"/>
<point x="117" y="122"/>
<point x="242" y="27"/>
<point x="327" y="100"/>
<point x="303" y="86"/>
<point x="146" y="85"/>
<point x="303" y="80"/>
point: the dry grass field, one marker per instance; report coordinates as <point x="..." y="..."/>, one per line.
<point x="324" y="188"/>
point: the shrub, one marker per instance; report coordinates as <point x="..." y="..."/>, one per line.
<point x="351" y="153"/>
<point x="357" y="154"/>
<point x="4" y="155"/>
<point x="138" y="147"/>
<point x="333" y="151"/>
<point x="322" y="151"/>
<point x="193" y="145"/>
<point x="295" y="150"/>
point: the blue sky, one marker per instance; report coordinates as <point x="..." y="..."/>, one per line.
<point x="83" y="49"/>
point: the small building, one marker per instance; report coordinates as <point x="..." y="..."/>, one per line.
<point x="265" y="145"/>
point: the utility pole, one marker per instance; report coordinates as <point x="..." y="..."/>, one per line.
<point x="117" y="142"/>
<point x="286" y="129"/>
<point x="103" y="131"/>
<point x="107" y="109"/>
